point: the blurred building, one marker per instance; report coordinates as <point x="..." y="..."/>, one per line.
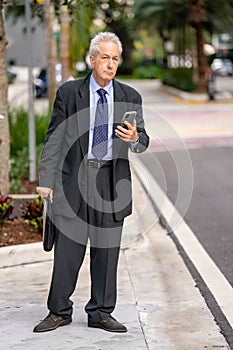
<point x="222" y="42"/>
<point x="17" y="42"/>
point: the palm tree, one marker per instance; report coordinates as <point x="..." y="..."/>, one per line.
<point x="164" y="15"/>
<point x="4" y="126"/>
<point x="49" y="15"/>
<point x="80" y="28"/>
<point x="167" y="15"/>
<point x="220" y="16"/>
<point x="212" y="16"/>
<point x="197" y="17"/>
<point x="64" y="41"/>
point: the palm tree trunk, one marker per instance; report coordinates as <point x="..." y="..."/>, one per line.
<point x="65" y="42"/>
<point x="51" y="51"/>
<point x="201" y="61"/>
<point x="4" y="126"/>
<point x="197" y="16"/>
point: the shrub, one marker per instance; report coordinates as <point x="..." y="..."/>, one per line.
<point x="19" y="154"/>
<point x="19" y="167"/>
<point x="33" y="212"/>
<point x="18" y="124"/>
<point x="6" y="209"/>
<point x="181" y="78"/>
<point x="148" y="71"/>
<point x="42" y="122"/>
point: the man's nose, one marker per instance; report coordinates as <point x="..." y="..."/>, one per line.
<point x="110" y="62"/>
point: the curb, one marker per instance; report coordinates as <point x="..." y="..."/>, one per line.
<point x="30" y="253"/>
<point x="22" y="254"/>
<point x="23" y="196"/>
<point x="195" y="97"/>
<point x="183" y="94"/>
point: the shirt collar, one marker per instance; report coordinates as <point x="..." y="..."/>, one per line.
<point x="94" y="86"/>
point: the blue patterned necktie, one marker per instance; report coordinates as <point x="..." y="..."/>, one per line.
<point x="100" y="134"/>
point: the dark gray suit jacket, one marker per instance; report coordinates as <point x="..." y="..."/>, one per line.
<point x="62" y="165"/>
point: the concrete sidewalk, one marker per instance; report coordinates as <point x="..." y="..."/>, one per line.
<point x="157" y="297"/>
<point x="222" y="95"/>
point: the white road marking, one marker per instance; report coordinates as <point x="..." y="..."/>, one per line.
<point x="210" y="273"/>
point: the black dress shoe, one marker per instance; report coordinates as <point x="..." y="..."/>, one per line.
<point x="51" y="322"/>
<point x="109" y="324"/>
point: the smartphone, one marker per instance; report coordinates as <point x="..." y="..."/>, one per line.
<point x="129" y="117"/>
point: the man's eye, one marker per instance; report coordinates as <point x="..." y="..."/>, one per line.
<point x="115" y="59"/>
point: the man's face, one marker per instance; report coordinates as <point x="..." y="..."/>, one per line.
<point x="106" y="62"/>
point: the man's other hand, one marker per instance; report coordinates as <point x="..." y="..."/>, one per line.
<point x="45" y="192"/>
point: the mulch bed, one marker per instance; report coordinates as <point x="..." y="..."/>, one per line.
<point x="18" y="231"/>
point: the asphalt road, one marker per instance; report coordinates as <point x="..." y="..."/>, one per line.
<point x="210" y="213"/>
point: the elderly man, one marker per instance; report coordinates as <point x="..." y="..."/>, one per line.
<point x="85" y="170"/>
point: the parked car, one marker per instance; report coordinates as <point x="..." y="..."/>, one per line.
<point x="41" y="82"/>
<point x="11" y="76"/>
<point x="222" y="66"/>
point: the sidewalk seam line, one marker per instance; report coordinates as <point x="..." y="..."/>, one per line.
<point x="135" y="299"/>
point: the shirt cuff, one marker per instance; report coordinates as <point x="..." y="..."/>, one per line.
<point x="135" y="143"/>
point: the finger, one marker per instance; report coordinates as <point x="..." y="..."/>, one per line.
<point x="39" y="191"/>
<point x="122" y="134"/>
<point x="123" y="137"/>
<point x="51" y="195"/>
<point x="44" y="195"/>
<point x="131" y="126"/>
<point x="123" y="130"/>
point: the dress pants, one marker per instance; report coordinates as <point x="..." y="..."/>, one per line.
<point x="95" y="222"/>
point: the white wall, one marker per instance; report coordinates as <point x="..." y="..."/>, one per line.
<point x="17" y="46"/>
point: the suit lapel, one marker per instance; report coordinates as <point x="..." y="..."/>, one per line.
<point x="83" y="114"/>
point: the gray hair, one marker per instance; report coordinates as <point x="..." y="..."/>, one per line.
<point x="103" y="37"/>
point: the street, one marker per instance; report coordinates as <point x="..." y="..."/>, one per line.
<point x="190" y="158"/>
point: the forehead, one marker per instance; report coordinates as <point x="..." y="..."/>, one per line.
<point x="109" y="47"/>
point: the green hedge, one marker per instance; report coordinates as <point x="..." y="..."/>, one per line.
<point x="148" y="71"/>
<point x="181" y="78"/>
<point x="19" y="154"/>
<point x="18" y="124"/>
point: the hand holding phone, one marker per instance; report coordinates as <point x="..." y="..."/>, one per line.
<point x="129" y="117"/>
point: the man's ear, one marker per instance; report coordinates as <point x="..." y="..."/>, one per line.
<point x="92" y="61"/>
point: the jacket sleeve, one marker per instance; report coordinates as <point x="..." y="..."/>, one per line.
<point x="143" y="137"/>
<point x="53" y="143"/>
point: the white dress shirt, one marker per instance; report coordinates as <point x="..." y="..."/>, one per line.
<point x="94" y="97"/>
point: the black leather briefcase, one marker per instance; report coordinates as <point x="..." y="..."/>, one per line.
<point x="48" y="226"/>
